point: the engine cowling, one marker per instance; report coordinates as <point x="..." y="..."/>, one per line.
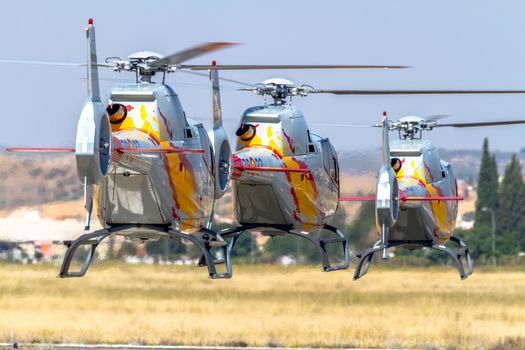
<point x="222" y="160"/>
<point x="387" y="201"/>
<point x="93" y="143"/>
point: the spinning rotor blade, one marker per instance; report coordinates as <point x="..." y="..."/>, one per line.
<point x="356" y="199"/>
<point x="272" y="169"/>
<point x="477" y="124"/>
<point x="52" y="63"/>
<point x="416" y="92"/>
<point x="119" y="149"/>
<point x="40" y="149"/>
<point x="182" y="56"/>
<point x="433" y="118"/>
<point x="288" y="66"/>
<point x="432" y="198"/>
<point x="348" y="125"/>
<point x="420" y="198"/>
<point x="220" y="78"/>
<point x="159" y="150"/>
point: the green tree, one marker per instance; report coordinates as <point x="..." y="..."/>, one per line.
<point x="487" y="188"/>
<point x="510" y="218"/>
<point x="245" y="247"/>
<point x="362" y="232"/>
<point x="300" y="248"/>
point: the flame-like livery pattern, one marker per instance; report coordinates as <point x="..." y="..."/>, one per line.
<point x="423" y="174"/>
<point x="179" y="185"/>
<point x="282" y="141"/>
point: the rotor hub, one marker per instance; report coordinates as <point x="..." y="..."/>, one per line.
<point x="280" y="89"/>
<point x="411" y="127"/>
<point x="141" y="62"/>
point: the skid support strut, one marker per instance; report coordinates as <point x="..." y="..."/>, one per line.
<point x="365" y="257"/>
<point x="205" y="240"/>
<point x="321" y="244"/>
<point x="206" y="243"/>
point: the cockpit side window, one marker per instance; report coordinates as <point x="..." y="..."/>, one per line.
<point x="330" y="161"/>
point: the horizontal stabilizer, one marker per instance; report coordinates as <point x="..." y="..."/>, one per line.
<point x="40" y="149"/>
<point x="273" y="169"/>
<point x="154" y="150"/>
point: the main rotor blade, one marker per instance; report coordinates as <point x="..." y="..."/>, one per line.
<point x="286" y="66"/>
<point x="347" y="125"/>
<point x="154" y="150"/>
<point x="40" y="149"/>
<point x="416" y="92"/>
<point x="403" y="198"/>
<point x="432" y="118"/>
<point x="220" y="78"/>
<point x="51" y="63"/>
<point x="273" y="169"/>
<point x="476" y="124"/>
<point x="190" y="53"/>
<point x="431" y="198"/>
<point x="356" y="199"/>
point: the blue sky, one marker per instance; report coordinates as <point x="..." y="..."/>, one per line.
<point x="451" y="44"/>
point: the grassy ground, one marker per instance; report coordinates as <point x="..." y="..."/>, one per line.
<point x="276" y="306"/>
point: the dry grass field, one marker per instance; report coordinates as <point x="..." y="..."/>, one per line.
<point x="264" y="306"/>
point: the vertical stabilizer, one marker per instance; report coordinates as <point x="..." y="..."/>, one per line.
<point x="216" y="98"/>
<point x="385" y="146"/>
<point x="92" y="69"/>
<point x="219" y="138"/>
<point x="93" y="141"/>
<point x="387" y="192"/>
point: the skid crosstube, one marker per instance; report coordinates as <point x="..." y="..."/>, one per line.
<point x="209" y="240"/>
<point x="365" y="257"/>
<point x="321" y="244"/>
<point x="205" y="240"/>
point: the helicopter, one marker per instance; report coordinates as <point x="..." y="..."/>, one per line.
<point x="138" y="157"/>
<point x="151" y="171"/>
<point x="416" y="200"/>
<point x="285" y="178"/>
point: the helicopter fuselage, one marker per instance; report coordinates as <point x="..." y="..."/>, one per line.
<point x="423" y="174"/>
<point x="277" y="136"/>
<point x="174" y="189"/>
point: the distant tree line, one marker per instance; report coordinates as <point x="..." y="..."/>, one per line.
<point x="502" y="201"/>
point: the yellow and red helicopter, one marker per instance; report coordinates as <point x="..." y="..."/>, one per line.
<point x="285" y="177"/>
<point x="416" y="199"/>
<point x="152" y="172"/>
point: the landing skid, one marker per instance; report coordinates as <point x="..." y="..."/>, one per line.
<point x="208" y="239"/>
<point x="321" y="244"/>
<point x="365" y="257"/>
